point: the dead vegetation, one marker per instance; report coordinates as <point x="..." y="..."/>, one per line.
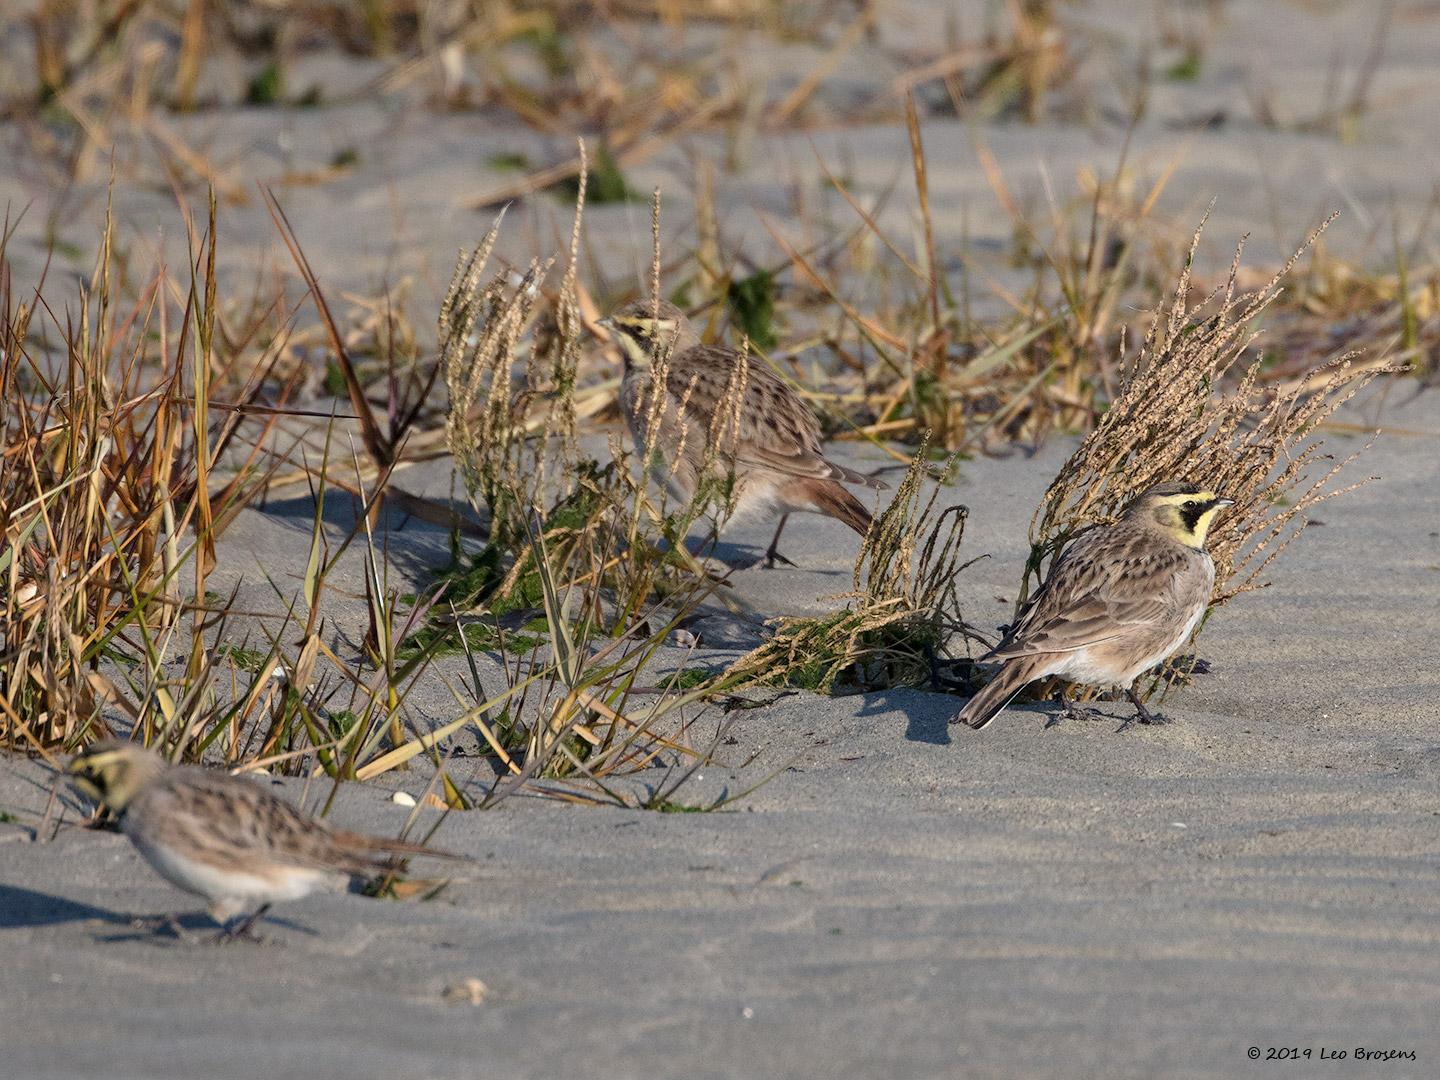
<point x="109" y="501"/>
<point x="902" y="615"/>
<point x="134" y="431"/>
<point x="1190" y="406"/>
<point x="121" y="472"/>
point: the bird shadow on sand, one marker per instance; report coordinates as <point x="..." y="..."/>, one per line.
<point x="20" y="907"/>
<point x="927" y="715"/>
<point x="27" y="907"/>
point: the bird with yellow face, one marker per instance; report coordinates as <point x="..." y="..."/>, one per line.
<point x="225" y="838"/>
<point x="1119" y="600"/>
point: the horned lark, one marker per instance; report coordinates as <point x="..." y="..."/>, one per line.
<point x="1120" y="599"/>
<point x="721" y="406"/>
<point x="223" y="837"/>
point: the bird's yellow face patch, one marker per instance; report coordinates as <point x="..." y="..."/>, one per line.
<point x="642" y="338"/>
<point x="108" y="774"/>
<point x="1187" y="515"/>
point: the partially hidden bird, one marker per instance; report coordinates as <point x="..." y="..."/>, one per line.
<point x="718" y="404"/>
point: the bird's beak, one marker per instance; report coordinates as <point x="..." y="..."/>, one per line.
<point x="607" y="324"/>
<point x="1222" y="503"/>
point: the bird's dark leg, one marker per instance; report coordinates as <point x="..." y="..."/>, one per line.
<point x="243" y="929"/>
<point x="772" y="553"/>
<point x="1071" y="711"/>
<point x="1142" y="714"/>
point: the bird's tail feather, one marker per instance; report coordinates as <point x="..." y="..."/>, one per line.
<point x="850" y="476"/>
<point x="830" y="498"/>
<point x="1013" y="677"/>
<point x="381" y="852"/>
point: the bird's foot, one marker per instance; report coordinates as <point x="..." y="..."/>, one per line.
<point x="960" y="678"/>
<point x="772" y="557"/>
<point x="1142" y="714"/>
<point x="772" y="553"/>
<point x="1149" y="719"/>
<point x="157" y="924"/>
<point x="242" y="929"/>
<point x="229" y="936"/>
<point x="1069" y="710"/>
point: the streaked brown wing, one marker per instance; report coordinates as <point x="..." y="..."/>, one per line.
<point x="1100" y="589"/>
<point x="805" y="466"/>
<point x="776" y="429"/>
<point x="235" y="821"/>
<point x="1091" y="620"/>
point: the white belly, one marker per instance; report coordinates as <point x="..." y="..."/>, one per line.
<point x="230" y="889"/>
<point x="1094" y="668"/>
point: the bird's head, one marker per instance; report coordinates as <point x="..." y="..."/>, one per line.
<point x="1184" y="511"/>
<point x="112" y="773"/>
<point x="645" y="329"/>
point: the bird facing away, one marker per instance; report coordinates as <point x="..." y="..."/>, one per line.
<point x="762" y="432"/>
<point x="1120" y="599"/>
<point x="223" y="837"/>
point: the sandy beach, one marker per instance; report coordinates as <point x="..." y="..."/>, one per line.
<point x="901" y="899"/>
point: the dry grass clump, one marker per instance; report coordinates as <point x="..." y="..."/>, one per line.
<point x="1011" y="70"/>
<point x="106" y="488"/>
<point x="915" y="359"/>
<point x="549" y="63"/>
<point x="1181" y="413"/>
<point x="910" y="356"/>
<point x="1337" y="304"/>
<point x="642" y="72"/>
<point x="599" y="576"/>
<point x="120" y="472"/>
<point x="486" y="428"/>
<point x="112" y="499"/>
<point x="510" y="357"/>
<point x="903" y="611"/>
<point x="573" y="539"/>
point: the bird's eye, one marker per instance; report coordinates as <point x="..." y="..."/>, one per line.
<point x="1190" y="504"/>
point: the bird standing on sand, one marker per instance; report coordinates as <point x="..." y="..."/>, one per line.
<point x="223" y="837"/>
<point x="1120" y="599"/>
<point x="716" y="399"/>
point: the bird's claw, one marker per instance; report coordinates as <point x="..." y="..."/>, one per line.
<point x="158" y="923"/>
<point x="772" y="557"/>
<point x="242" y="929"/>
<point x="231" y="936"/>
<point x="1149" y="719"/>
<point x="1142" y="714"/>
